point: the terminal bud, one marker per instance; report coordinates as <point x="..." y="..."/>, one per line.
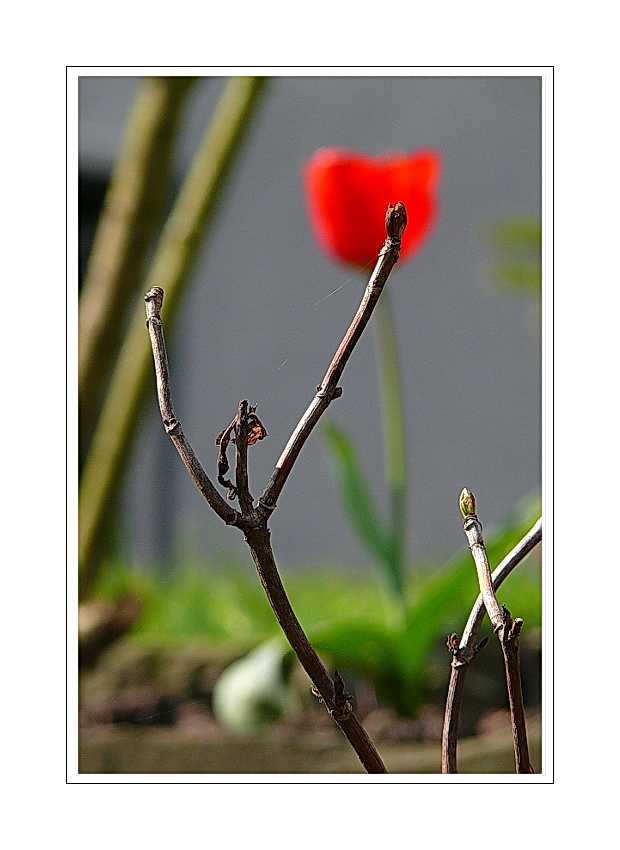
<point x="467" y="503"/>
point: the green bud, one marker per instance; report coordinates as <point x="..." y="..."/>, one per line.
<point x="467" y="503"/>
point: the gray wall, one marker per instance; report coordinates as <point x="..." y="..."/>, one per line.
<point x="470" y="352"/>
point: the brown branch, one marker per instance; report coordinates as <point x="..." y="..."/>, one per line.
<point x="464" y="651"/>
<point x="222" y="440"/>
<point x="246" y="502"/>
<point x="506" y="629"/>
<point x="154" y="299"/>
<point x="253" y="522"/>
<point x="509" y="636"/>
<point x="331" y="692"/>
<point x="396" y="221"/>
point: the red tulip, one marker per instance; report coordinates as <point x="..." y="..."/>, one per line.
<point x="348" y="194"/>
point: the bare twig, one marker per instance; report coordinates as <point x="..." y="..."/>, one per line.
<point x="253" y="522"/>
<point x="331" y="693"/>
<point x="396" y="221"/>
<point x="241" y="459"/>
<point x="154" y="298"/>
<point x="506" y="629"/>
<point x="222" y="440"/>
<point x="464" y="650"/>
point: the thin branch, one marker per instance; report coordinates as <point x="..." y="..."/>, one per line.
<point x="253" y="523"/>
<point x="464" y="651"/>
<point x="222" y="440"/>
<point x="506" y="629"/>
<point x="154" y="299"/>
<point x="396" y="221"/>
<point x="509" y="637"/>
<point x="246" y="502"/>
<point x="331" y="691"/>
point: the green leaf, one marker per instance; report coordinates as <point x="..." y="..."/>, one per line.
<point x="519" y="275"/>
<point x="519" y="234"/>
<point x="517" y="244"/>
<point x="363" y="647"/>
<point x="355" y="495"/>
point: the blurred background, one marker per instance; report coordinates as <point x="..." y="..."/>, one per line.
<point x="261" y="314"/>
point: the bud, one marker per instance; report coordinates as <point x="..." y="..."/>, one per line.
<point x="467" y="503"/>
<point x="156" y="294"/>
<point x="396" y="220"/>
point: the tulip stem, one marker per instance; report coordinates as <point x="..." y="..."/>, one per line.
<point x="394" y="447"/>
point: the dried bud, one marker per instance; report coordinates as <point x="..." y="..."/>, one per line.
<point x="396" y="220"/>
<point x="156" y="294"/>
<point x="467" y="503"/>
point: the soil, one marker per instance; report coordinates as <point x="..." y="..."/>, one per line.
<point x="147" y="709"/>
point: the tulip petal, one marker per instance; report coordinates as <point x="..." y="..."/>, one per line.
<point x="348" y="194"/>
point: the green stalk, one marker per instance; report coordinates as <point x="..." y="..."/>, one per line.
<point x="132" y="214"/>
<point x="176" y="251"/>
<point x="393" y="429"/>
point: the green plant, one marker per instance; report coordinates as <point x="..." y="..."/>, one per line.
<point x="349" y="618"/>
<point x="517" y="245"/>
<point x="395" y="656"/>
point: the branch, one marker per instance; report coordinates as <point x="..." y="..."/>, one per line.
<point x="253" y="523"/>
<point x="464" y="651"/>
<point x="154" y="299"/>
<point x="506" y="629"/>
<point x="395" y="222"/>
<point x="243" y="439"/>
<point x="331" y="691"/>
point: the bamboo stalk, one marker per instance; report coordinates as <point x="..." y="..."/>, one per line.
<point x="131" y="215"/>
<point x="175" y="254"/>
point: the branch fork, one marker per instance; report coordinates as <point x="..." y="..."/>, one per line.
<point x="462" y="655"/>
<point x="506" y="629"/>
<point x="463" y="652"/>
<point x="253" y="521"/>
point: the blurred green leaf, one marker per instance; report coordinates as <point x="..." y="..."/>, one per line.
<point x="517" y="244"/>
<point x="222" y="604"/>
<point x="357" y="501"/>
<point x="518" y="275"/>
<point x="355" y="645"/>
<point x="326" y="596"/>
<point x="398" y="660"/>
<point x="519" y="234"/>
<point x="444" y="599"/>
<point x="349" y="618"/>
